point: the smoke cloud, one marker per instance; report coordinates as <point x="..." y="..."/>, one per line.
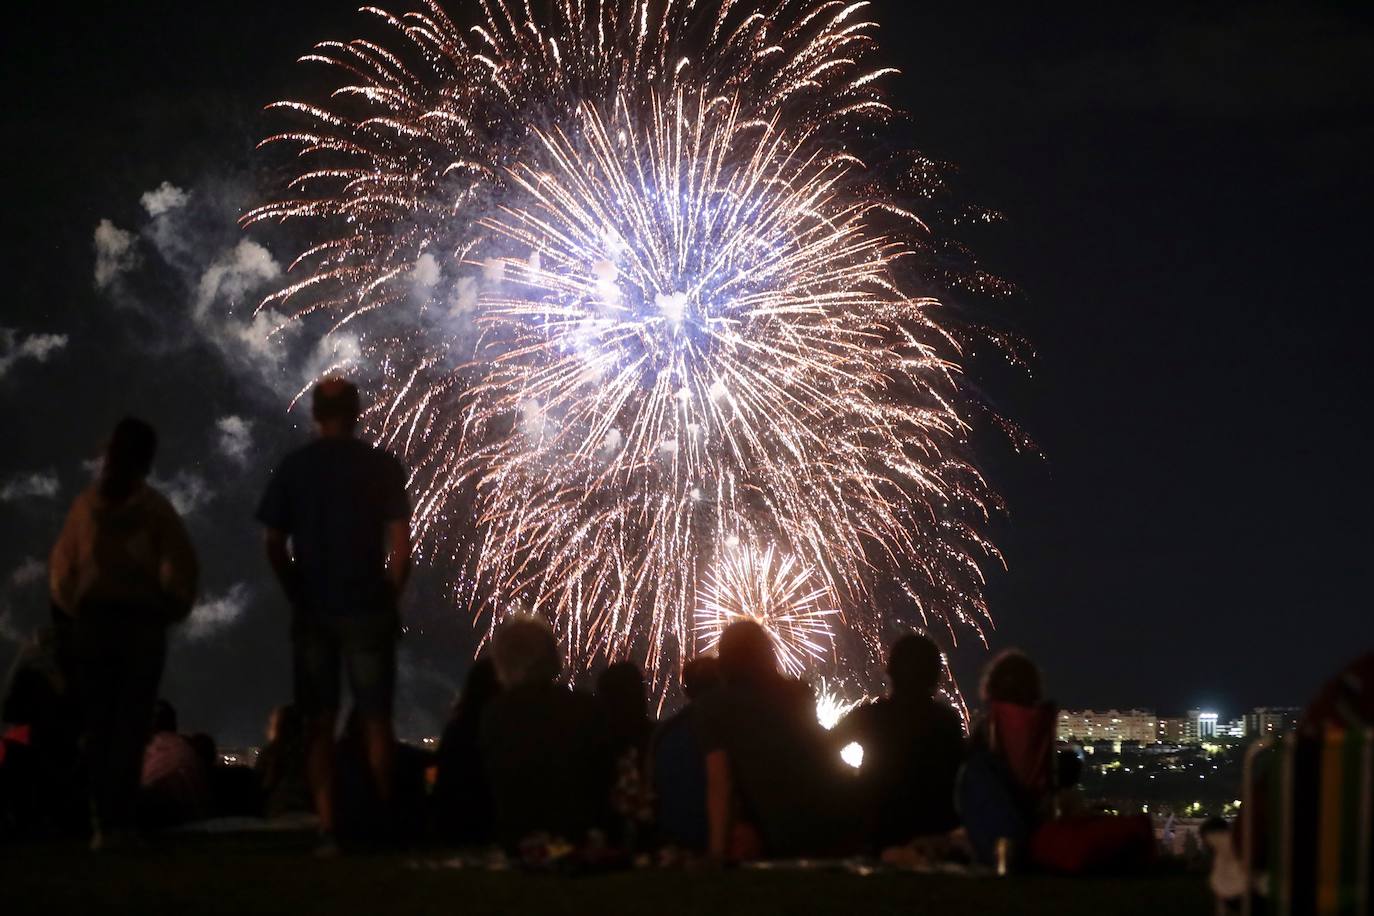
<point x="29" y="571"/>
<point x="37" y="485"/>
<point x="217" y="613"/>
<point x="36" y="347"/>
<point x="114" y="253"/>
<point x="198" y="256"/>
<point x="235" y="438"/>
<point x="425" y="276"/>
<point x="233" y="275"/>
<point x="165" y="198"/>
<point x="187" y="492"/>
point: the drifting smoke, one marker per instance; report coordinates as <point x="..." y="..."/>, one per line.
<point x="217" y="613"/>
<point x="28" y="572"/>
<point x="188" y="251"/>
<point x="35" y="347"/>
<point x="186" y="491"/>
<point x="165" y="198"/>
<point x="233" y="275"/>
<point x="10" y="630"/>
<point x="38" y="485"/>
<point x="235" y="438"/>
<point x="114" y="253"/>
<point x="425" y="276"/>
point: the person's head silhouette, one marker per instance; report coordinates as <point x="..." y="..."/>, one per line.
<point x="914" y="666"/>
<point x="746" y="653"/>
<point x="1011" y="677"/>
<point x="525" y="651"/>
<point x="128" y="458"/>
<point x="335" y="405"/>
<point x="700" y="675"/>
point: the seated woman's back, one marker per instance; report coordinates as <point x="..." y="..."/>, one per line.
<point x="545" y="753"/>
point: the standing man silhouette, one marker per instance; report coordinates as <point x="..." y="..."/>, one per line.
<point x="338" y="538"/>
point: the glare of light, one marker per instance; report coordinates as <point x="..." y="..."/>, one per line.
<point x="853" y="754"/>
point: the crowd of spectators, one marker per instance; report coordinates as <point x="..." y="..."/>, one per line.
<point x="742" y="770"/>
<point x="546" y="773"/>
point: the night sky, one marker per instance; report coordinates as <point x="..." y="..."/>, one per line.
<point x="1187" y="201"/>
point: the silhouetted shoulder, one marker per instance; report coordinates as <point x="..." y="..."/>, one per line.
<point x="159" y="505"/>
<point x="86" y="500"/>
<point x="862" y="717"/>
<point x="946" y="716"/>
<point x="284" y="469"/>
<point x="393" y="464"/>
<point x="712" y="701"/>
<point x="297" y="457"/>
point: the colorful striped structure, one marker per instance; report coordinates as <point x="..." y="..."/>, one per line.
<point x="1307" y="819"/>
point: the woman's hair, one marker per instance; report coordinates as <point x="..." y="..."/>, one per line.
<point x="525" y="651"/>
<point x="1011" y="677"/>
<point x="285" y="725"/>
<point x="128" y="458"/>
<point x="914" y="664"/>
<point x="479" y="687"/>
<point x="746" y="652"/>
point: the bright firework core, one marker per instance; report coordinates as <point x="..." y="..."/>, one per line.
<point x="645" y="326"/>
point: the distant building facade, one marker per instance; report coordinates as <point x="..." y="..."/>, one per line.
<point x="1202" y="725"/>
<point x="1130" y="725"/>
<point x="1142" y="726"/>
<point x="1172" y="730"/>
<point x="1271" y="721"/>
<point x="1233" y="729"/>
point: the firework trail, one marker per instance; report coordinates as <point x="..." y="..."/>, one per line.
<point x="648" y="330"/>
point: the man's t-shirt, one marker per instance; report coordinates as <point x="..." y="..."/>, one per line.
<point x="334" y="498"/>
<point x="912" y="753"/>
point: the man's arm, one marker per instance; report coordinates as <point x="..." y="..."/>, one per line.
<point x="398" y="554"/>
<point x="283" y="566"/>
<point x="396" y="511"/>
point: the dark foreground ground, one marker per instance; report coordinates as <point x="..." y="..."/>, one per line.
<point x="256" y="875"/>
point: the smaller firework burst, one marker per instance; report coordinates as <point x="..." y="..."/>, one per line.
<point x="775" y="591"/>
<point x="832" y="705"/>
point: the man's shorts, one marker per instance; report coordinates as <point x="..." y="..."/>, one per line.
<point x="364" y="645"/>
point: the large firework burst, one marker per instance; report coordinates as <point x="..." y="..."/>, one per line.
<point x="630" y="293"/>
